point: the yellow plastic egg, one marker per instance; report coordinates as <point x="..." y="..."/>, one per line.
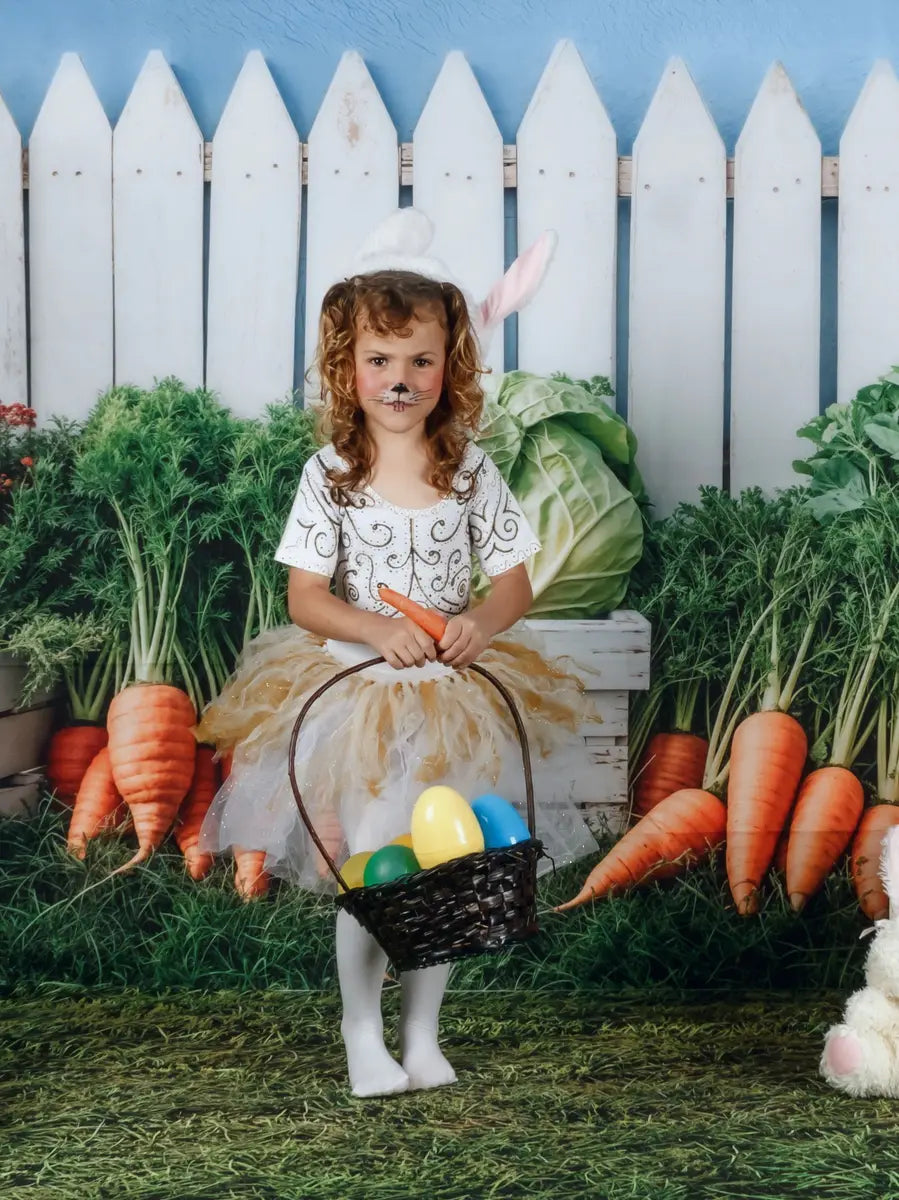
<point x="354" y="869"/>
<point x="444" y="827"/>
<point x="405" y="839"/>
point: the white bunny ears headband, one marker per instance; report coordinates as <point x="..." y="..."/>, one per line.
<point x="401" y="242"/>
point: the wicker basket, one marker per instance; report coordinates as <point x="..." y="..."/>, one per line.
<point x="476" y="904"/>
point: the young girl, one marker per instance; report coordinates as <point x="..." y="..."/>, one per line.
<point x="400" y="496"/>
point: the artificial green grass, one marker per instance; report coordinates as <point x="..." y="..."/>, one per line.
<point x="64" y="921"/>
<point x="243" y="1095"/>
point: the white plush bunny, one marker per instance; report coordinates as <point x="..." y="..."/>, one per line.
<point x="861" y="1055"/>
<point x="401" y="243"/>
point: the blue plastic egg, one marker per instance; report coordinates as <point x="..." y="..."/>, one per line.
<point x="499" y="822"/>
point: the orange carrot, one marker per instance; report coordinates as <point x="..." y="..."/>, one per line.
<point x="431" y="622"/>
<point x="250" y="877"/>
<point x="828" y="809"/>
<point x="152" y="751"/>
<point x="779" y="861"/>
<point x="98" y="806"/>
<point x="72" y="750"/>
<point x="196" y="804"/>
<point x="671" y="762"/>
<point x="767" y="757"/>
<point x="682" y="828"/>
<point x="864" y="859"/>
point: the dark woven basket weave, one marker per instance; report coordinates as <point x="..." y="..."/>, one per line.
<point x="476" y="904"/>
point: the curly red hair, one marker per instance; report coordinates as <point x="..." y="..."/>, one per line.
<point x="387" y="302"/>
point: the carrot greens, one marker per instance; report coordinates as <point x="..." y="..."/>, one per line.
<point x="262" y="468"/>
<point x="151" y="461"/>
<point x="867" y="548"/>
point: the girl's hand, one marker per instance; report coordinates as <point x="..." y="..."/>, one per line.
<point x="465" y="639"/>
<point x="402" y="643"/>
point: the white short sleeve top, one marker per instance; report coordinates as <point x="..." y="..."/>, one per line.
<point x="425" y="553"/>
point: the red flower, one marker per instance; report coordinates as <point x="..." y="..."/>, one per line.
<point x="27" y="461"/>
<point x="18" y="415"/>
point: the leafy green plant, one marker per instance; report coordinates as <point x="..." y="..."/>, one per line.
<point x="204" y="647"/>
<point x="857" y="449"/>
<point x="679" y="587"/>
<point x="860" y="655"/>
<point x="263" y="465"/>
<point x="735" y="589"/>
<point x="569" y="460"/>
<point x="40" y="543"/>
<point x="81" y="649"/>
<point x="151" y="462"/>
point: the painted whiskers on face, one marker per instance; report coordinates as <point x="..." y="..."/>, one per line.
<point x="399" y="397"/>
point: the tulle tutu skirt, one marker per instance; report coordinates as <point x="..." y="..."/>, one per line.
<point x="372" y="743"/>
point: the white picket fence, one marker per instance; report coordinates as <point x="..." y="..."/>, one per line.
<point x="115" y="244"/>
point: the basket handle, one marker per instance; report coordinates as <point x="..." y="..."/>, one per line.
<point x="373" y="662"/>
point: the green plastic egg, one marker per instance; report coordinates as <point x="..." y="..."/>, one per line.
<point x="389" y="863"/>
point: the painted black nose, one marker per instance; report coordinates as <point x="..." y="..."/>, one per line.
<point x="399" y="388"/>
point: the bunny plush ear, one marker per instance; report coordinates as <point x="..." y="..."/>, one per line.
<point x="401" y="243"/>
<point x="519" y="285"/>
<point x="403" y="235"/>
<point x="889" y="868"/>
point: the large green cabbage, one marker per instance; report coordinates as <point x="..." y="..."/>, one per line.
<point x="569" y="460"/>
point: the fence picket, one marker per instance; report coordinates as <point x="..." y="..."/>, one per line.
<point x="677" y="281"/>
<point x="254" y="245"/>
<point x="867" y="308"/>
<point x="568" y="181"/>
<point x="777" y="255"/>
<point x="70" y="246"/>
<point x="158" y="207"/>
<point x="13" y="343"/>
<point x="458" y="182"/>
<point x="353" y="180"/>
<point x="136" y="314"/>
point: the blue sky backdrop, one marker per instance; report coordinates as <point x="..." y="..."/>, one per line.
<point x="827" y="47"/>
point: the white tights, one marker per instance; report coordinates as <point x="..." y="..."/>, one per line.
<point x="373" y="1072"/>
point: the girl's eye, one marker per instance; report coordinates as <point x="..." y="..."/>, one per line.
<point x="423" y="362"/>
<point x="377" y="361"/>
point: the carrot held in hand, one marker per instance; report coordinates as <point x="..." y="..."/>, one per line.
<point x="98" y="806"/>
<point x="679" y="830"/>
<point x="152" y="750"/>
<point x="431" y="622"/>
<point x="196" y="804"/>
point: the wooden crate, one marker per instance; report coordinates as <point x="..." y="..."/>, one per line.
<point x="20" y="794"/>
<point x="611" y="658"/>
<point x="25" y="732"/>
